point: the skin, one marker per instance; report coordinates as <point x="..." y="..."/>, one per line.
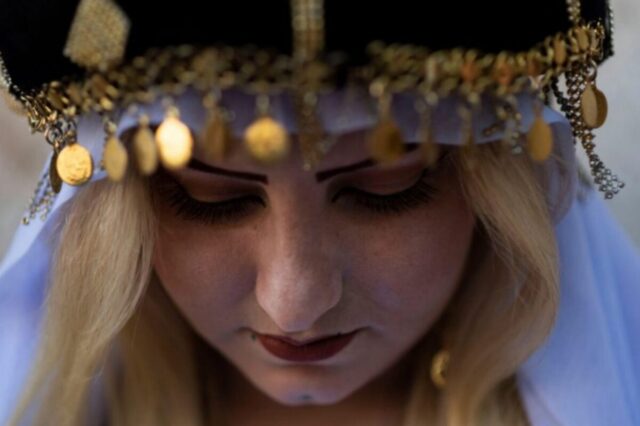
<point x="304" y="266"/>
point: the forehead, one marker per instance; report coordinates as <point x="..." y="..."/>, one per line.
<point x="344" y="149"/>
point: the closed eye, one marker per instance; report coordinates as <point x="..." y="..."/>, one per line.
<point x="419" y="193"/>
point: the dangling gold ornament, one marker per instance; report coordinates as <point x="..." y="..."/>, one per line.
<point x="539" y="139"/>
<point x="429" y="149"/>
<point x="175" y="143"/>
<point x="468" y="139"/>
<point x="386" y="144"/>
<point x="439" y="366"/>
<point x="115" y="159"/>
<point x="469" y="150"/>
<point x="594" y="106"/>
<point x="217" y="138"/>
<point x="145" y="149"/>
<point x="74" y="164"/>
<point x="266" y="140"/>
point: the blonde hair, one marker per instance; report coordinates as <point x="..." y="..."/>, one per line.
<point x="105" y="307"/>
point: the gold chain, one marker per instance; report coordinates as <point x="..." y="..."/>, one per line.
<point x="308" y="28"/>
<point x="575" y="11"/>
<point x="5" y="79"/>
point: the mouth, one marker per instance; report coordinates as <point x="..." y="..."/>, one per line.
<point x="310" y="350"/>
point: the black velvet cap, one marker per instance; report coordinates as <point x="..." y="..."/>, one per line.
<point x="33" y="32"/>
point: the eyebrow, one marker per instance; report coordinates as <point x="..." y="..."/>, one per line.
<point x="320" y="176"/>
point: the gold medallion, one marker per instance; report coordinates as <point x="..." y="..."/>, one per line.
<point x="175" y="143"/>
<point x="146" y="152"/>
<point x="115" y="159"/>
<point x="386" y="143"/>
<point x="540" y="140"/>
<point x="74" y="165"/>
<point x="266" y="140"/>
<point x="594" y="107"/>
<point x="54" y="177"/>
<point x="217" y="139"/>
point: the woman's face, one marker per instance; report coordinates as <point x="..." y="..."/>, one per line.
<point x="303" y="254"/>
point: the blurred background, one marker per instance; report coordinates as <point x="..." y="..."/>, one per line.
<point x="22" y="155"/>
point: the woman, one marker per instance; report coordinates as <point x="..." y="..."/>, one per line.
<point x="423" y="285"/>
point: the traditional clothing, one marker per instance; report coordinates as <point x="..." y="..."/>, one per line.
<point x="588" y="372"/>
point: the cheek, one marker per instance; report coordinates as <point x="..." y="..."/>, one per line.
<point x="410" y="268"/>
<point x="205" y="273"/>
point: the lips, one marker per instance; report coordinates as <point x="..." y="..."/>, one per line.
<point x="308" y="351"/>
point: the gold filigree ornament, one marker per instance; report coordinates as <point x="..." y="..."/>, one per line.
<point x="145" y="148"/>
<point x="175" y="143"/>
<point x="74" y="164"/>
<point x="265" y="139"/>
<point x="97" y="42"/>
<point x="98" y="35"/>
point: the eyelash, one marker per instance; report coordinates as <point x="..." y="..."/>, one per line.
<point x="236" y="208"/>
<point x="408" y="199"/>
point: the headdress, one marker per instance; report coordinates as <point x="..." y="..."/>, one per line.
<point x="113" y="58"/>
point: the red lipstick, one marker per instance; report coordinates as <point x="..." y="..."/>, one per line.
<point x="306" y="351"/>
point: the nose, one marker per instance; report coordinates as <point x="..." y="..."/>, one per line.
<point x="299" y="279"/>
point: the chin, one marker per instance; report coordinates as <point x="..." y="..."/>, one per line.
<point x="304" y="396"/>
<point x="291" y="389"/>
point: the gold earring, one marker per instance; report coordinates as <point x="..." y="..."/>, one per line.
<point x="439" y="366"/>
